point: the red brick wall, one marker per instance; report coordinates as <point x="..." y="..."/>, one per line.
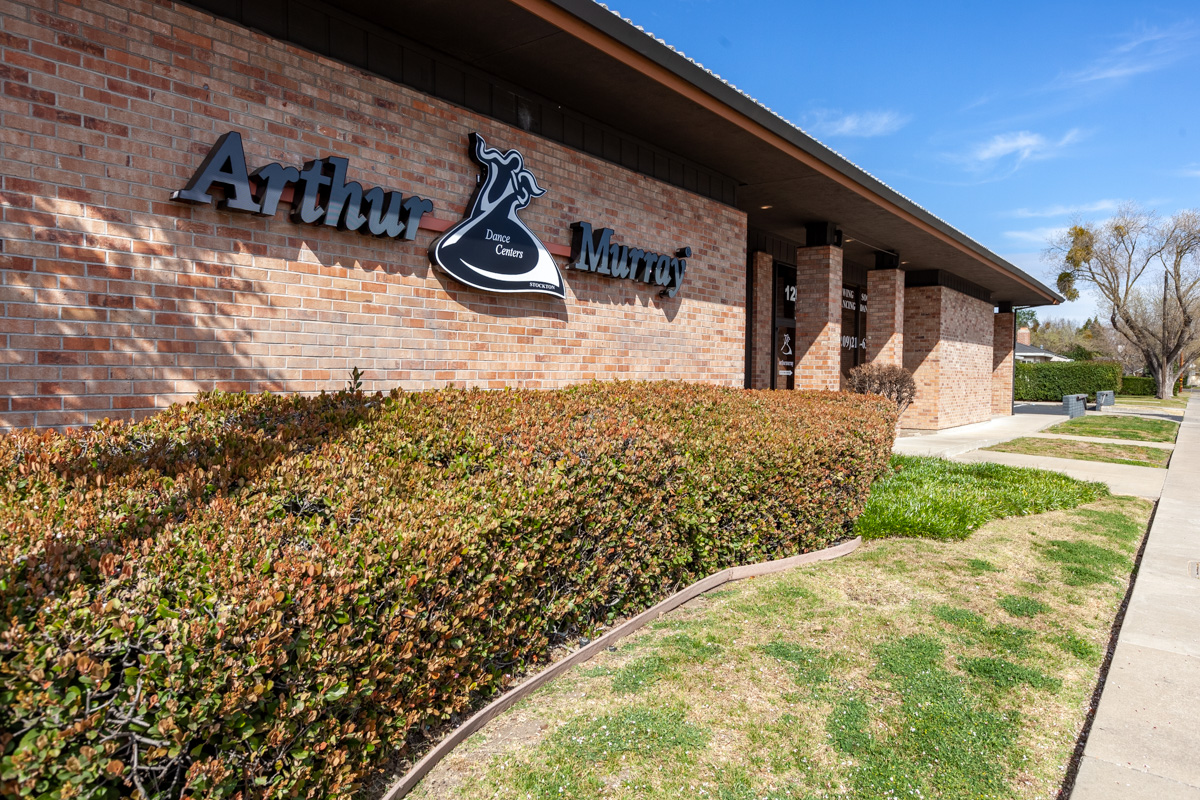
<point x="948" y="348"/>
<point x="885" y="317"/>
<point x="117" y="301"/>
<point x="764" y="321"/>
<point x="1003" y="352"/>
<point x="819" y="318"/>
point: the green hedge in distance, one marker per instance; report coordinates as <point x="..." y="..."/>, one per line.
<point x="268" y="596"/>
<point x="1053" y="379"/>
<point x="1146" y="387"/>
<point x="1139" y="387"/>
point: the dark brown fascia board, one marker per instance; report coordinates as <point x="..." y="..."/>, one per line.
<point x="625" y="34"/>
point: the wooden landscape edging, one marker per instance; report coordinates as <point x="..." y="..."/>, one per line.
<point x="410" y="779"/>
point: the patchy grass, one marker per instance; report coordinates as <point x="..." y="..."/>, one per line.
<point x="1020" y="606"/>
<point x="893" y="672"/>
<point x="642" y="673"/>
<point x="1006" y="674"/>
<point x="588" y="749"/>
<point x="1075" y="645"/>
<point x="1087" y="451"/>
<point x="1119" y="427"/>
<point x="1114" y="525"/>
<point x="1084" y="563"/>
<point x="809" y="665"/>
<point x="940" y="499"/>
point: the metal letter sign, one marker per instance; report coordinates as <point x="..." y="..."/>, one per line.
<point x="321" y="195"/>
<point x="491" y="248"/>
<point x="595" y="252"/>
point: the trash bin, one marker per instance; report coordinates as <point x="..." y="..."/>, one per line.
<point x="1075" y="405"/>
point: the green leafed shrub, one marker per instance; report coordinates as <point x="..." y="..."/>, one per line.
<point x="1139" y="387"/>
<point x="265" y="596"/>
<point x="1053" y="379"/>
<point x="1134" y="386"/>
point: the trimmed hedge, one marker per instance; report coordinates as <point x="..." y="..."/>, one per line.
<point x="1132" y="386"/>
<point x="265" y="596"/>
<point x="1052" y="379"/>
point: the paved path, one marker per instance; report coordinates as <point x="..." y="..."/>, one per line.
<point x="956" y="441"/>
<point x="1145" y="740"/>
<point x="1029" y="419"/>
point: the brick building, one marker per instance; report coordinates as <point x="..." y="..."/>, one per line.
<point x="239" y="195"/>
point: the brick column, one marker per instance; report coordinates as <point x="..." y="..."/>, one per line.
<point x="819" y="317"/>
<point x="922" y="333"/>
<point x="949" y="350"/>
<point x="761" y="326"/>
<point x="1002" y="362"/>
<point x="885" y="317"/>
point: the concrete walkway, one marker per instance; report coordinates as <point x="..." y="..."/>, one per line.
<point x="1029" y="419"/>
<point x="952" y="442"/>
<point x="1145" y="739"/>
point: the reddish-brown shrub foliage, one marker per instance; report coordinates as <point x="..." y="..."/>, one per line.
<point x="263" y="595"/>
<point x="893" y="382"/>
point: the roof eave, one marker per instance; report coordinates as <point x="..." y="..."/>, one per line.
<point x="668" y="58"/>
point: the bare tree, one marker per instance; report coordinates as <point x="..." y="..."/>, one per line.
<point x="1123" y="258"/>
<point x="1115" y="347"/>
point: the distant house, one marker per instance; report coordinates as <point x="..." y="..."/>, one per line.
<point x="1035" y="355"/>
<point x="1029" y="354"/>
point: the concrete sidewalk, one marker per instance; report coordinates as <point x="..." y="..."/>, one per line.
<point x="1026" y="419"/>
<point x="1029" y="419"/>
<point x="1145" y="739"/>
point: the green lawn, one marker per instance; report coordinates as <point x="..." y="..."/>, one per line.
<point x="1087" y="451"/>
<point x="910" y="669"/>
<point x="1179" y="402"/>
<point x="1119" y="427"/>
<point x="940" y="499"/>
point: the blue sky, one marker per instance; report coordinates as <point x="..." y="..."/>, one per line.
<point x="1005" y="119"/>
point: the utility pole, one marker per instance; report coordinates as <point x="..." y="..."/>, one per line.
<point x="1164" y="391"/>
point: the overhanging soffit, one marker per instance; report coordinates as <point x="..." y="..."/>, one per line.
<point x="582" y="56"/>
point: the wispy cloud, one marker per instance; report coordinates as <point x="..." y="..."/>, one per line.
<point x="1146" y="51"/>
<point x="1062" y="210"/>
<point x="829" y="123"/>
<point x="1007" y="152"/>
<point x="1024" y="145"/>
<point x="1037" y="236"/>
<point x="1191" y="171"/>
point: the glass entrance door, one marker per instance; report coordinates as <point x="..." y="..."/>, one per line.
<point x="854" y="327"/>
<point x="783" y="365"/>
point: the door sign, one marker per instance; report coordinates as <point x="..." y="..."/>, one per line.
<point x="491" y="248"/>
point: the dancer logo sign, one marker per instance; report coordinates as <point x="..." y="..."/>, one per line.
<point x="491" y="248"/>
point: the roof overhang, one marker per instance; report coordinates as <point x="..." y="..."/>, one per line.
<point x="584" y="57"/>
